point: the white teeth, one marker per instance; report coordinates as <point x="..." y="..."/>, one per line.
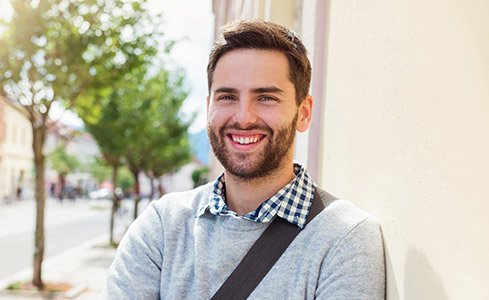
<point x="245" y="140"/>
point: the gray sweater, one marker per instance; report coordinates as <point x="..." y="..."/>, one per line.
<point x="169" y="253"/>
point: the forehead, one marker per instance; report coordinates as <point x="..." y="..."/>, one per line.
<point x="252" y="67"/>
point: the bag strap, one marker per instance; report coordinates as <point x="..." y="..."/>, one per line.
<point x="265" y="252"/>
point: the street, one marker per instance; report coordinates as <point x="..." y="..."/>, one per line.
<point x="67" y="225"/>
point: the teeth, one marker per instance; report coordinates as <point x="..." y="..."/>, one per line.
<point x="245" y="140"/>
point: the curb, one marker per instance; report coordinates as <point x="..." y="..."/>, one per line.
<point x="27" y="273"/>
<point x="70" y="294"/>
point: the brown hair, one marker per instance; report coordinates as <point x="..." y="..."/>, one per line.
<point x="258" y="34"/>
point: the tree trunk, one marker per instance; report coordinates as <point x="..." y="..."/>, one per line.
<point x="40" y="194"/>
<point x="152" y="195"/>
<point x="62" y="185"/>
<point x="160" y="187"/>
<point x="137" y="197"/>
<point x="115" y="205"/>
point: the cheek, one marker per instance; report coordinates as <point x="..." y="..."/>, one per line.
<point x="277" y="119"/>
<point x="215" y="118"/>
<point x="218" y="115"/>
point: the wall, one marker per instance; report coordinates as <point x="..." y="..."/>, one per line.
<point x="16" y="153"/>
<point x="406" y="136"/>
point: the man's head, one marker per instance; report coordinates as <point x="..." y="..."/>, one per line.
<point x="257" y="98"/>
<point x="257" y="34"/>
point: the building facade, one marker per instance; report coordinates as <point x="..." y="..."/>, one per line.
<point x="400" y="127"/>
<point x="16" y="156"/>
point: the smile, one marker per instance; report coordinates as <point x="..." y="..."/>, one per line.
<point x="246" y="140"/>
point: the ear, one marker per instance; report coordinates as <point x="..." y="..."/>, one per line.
<point x="305" y="114"/>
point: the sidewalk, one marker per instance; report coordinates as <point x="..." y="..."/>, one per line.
<point x="85" y="266"/>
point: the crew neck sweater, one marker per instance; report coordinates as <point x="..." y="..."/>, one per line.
<point x="170" y="252"/>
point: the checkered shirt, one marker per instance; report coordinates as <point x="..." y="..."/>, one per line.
<point x="291" y="203"/>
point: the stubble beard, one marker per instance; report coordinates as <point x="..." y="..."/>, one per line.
<point x="252" y="166"/>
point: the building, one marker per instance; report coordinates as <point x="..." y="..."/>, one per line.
<point x="16" y="154"/>
<point x="77" y="143"/>
<point x="400" y="127"/>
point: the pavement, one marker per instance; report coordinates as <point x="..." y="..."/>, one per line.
<point x="84" y="266"/>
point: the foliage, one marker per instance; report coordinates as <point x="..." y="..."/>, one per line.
<point x="59" y="51"/>
<point x="138" y="121"/>
<point x="124" y="179"/>
<point x="56" y="50"/>
<point x="200" y="176"/>
<point x="164" y="147"/>
<point x="99" y="170"/>
<point x="62" y="162"/>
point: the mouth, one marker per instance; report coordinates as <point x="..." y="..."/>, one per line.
<point x="245" y="141"/>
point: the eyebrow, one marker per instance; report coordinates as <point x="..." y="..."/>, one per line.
<point x="267" y="89"/>
<point x="226" y="90"/>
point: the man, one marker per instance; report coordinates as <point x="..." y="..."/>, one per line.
<point x="185" y="245"/>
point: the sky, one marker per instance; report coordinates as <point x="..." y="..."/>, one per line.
<point x="194" y="20"/>
<point x="191" y="23"/>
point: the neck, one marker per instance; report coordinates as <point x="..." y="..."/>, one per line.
<point x="245" y="195"/>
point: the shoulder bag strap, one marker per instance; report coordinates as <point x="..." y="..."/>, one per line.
<point x="265" y="252"/>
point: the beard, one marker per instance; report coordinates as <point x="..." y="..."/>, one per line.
<point x="249" y="166"/>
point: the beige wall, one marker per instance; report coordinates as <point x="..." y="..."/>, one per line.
<point x="403" y="89"/>
<point x="406" y="136"/>
<point x="16" y="152"/>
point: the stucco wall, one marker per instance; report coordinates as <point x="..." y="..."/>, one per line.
<point x="16" y="154"/>
<point x="406" y="136"/>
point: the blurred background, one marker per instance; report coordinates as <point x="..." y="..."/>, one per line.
<point x="108" y="99"/>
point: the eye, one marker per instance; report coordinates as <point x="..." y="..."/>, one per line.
<point x="266" y="98"/>
<point x="226" y="98"/>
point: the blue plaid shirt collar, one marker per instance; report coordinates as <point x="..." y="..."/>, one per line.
<point x="291" y="203"/>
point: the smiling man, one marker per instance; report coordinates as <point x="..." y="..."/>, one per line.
<point x="188" y="245"/>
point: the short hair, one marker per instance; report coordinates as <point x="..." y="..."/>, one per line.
<point x="263" y="35"/>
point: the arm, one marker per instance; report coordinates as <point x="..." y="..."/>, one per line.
<point x="136" y="270"/>
<point x="355" y="267"/>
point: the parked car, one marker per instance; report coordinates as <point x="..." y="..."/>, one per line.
<point x="102" y="193"/>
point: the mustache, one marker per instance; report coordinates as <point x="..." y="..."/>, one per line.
<point x="237" y="126"/>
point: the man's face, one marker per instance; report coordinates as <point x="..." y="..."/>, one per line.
<point x="252" y="112"/>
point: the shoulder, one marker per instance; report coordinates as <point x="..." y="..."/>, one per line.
<point x="341" y="219"/>
<point x="173" y="210"/>
<point x="183" y="202"/>
<point x="352" y="257"/>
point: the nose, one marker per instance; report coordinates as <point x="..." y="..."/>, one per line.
<point x="246" y="114"/>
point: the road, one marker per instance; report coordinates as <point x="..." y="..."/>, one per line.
<point x="68" y="225"/>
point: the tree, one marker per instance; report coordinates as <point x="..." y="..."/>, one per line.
<point x="101" y="171"/>
<point x="101" y="118"/>
<point x="98" y="169"/>
<point x="140" y="122"/>
<point x="155" y="126"/>
<point x="110" y="167"/>
<point x="170" y="148"/>
<point x="160" y="132"/>
<point x="199" y="176"/>
<point x="55" y="51"/>
<point x="125" y="180"/>
<point x="63" y="163"/>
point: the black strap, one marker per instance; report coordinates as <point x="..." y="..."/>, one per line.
<point x="265" y="252"/>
